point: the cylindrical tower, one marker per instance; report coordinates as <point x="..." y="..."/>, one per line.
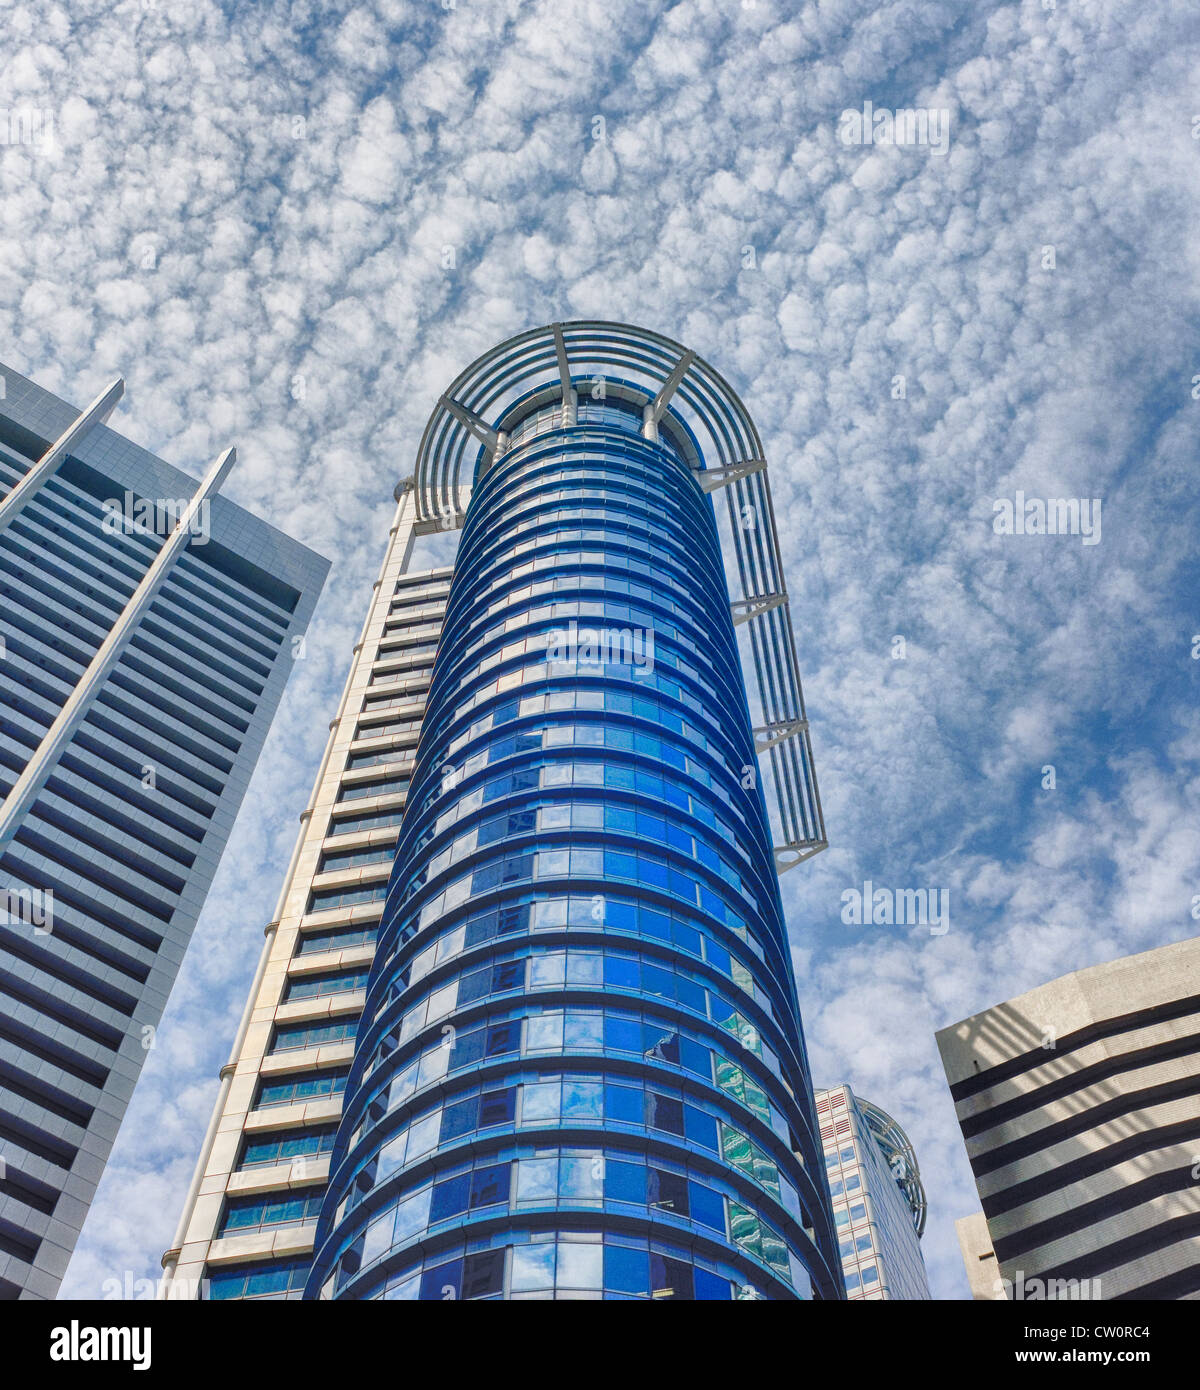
<point x="580" y="1071"/>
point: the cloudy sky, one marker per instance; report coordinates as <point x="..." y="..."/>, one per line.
<point x="289" y="225"/>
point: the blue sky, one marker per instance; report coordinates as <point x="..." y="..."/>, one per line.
<point x="246" y="210"/>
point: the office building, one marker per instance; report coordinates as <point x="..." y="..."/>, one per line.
<point x="248" y="1220"/>
<point x="147" y="629"/>
<point x="878" y="1197"/>
<point x="574" y="1067"/>
<point x="1078" y="1105"/>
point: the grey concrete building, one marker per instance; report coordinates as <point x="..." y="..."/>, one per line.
<point x="1080" y="1106"/>
<point x="147" y="630"/>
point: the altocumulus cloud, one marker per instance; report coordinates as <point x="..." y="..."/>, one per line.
<point x="289" y="225"/>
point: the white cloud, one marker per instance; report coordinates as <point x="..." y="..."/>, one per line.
<point x="298" y="187"/>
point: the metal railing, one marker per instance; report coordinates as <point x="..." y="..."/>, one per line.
<point x="684" y="397"/>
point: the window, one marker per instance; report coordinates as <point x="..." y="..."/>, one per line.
<point x="664" y="1112"/>
<point x="479" y="1112"/>
<point x="244" y="1214"/>
<point x="317" y="986"/>
<point x="670" y="1278"/>
<point x="376" y="757"/>
<point x="336" y="939"/>
<point x="484" y="1187"/>
<point x="283" y="1145"/>
<point x="390" y="786"/>
<point x="274" y="1279"/>
<point x="483" y="1274"/>
<point x="294" y="1090"/>
<point x="324" y="899"/>
<point x="356" y="858"/>
<point x="668" y="1192"/>
<point x="375" y="821"/>
<point x="289" y="1037"/>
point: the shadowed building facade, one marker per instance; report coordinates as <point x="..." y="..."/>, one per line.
<point x="147" y="629"/>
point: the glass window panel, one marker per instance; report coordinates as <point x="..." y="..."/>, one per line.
<point x="621" y="972"/>
<point x="670" y="1278"/>
<point x="622" y="1034"/>
<point x="433" y="1066"/>
<point x="625" y="1270"/>
<point x="483" y="1274"/>
<point x="460" y="1118"/>
<point x="711" y="1287"/>
<point x="581" y="1178"/>
<point x="406" y="1289"/>
<point x="537" y="1179"/>
<point x="624" y="1105"/>
<point x="423" y="1136"/>
<point x="504" y="1037"/>
<point x="490" y="1185"/>
<point x="541" y="1101"/>
<point x="412" y="1216"/>
<point x="450" y="1198"/>
<point x="664" y="1112"/>
<point x="585" y="968"/>
<point x="533" y="1267"/>
<point x="580" y="1266"/>
<point x="548" y="972"/>
<point x="379" y="1237"/>
<point x="582" y="1100"/>
<point x="667" y="1191"/>
<point x="584" y="1031"/>
<point x="707" y="1206"/>
<point x="391" y="1156"/>
<point x="497" y="1107"/>
<point x="442" y="1282"/>
<point x="700" y="1128"/>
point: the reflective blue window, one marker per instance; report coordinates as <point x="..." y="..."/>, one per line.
<point x="582" y="942"/>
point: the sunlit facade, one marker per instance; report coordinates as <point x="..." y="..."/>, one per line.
<point x="878" y="1198"/>
<point x="247" y="1227"/>
<point x="1077" y="1105"/>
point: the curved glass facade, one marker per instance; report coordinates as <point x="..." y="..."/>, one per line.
<point x="580" y="1071"/>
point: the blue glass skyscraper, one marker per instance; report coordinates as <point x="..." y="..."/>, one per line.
<point x="580" y="1071"/>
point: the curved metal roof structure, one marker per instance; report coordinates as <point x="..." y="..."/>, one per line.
<point x="898" y="1151"/>
<point x="686" y="399"/>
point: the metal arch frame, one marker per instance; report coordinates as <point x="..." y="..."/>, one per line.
<point x="892" y="1139"/>
<point x="466" y="433"/>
